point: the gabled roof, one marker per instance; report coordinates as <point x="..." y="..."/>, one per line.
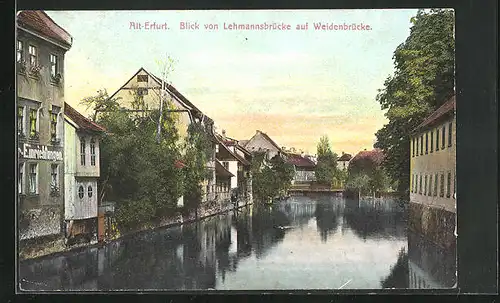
<point x="42" y="24"/>
<point x="243" y="143"/>
<point x="267" y="139"/>
<point x="376" y="156"/>
<point x="233" y="142"/>
<point x="345" y="157"/>
<point x="220" y="170"/>
<point x="242" y="160"/>
<point x="299" y="160"/>
<point x="442" y="112"/>
<point x="173" y="91"/>
<point x="81" y="121"/>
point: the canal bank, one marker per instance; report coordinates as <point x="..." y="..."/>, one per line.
<point x="320" y="242"/>
<point x="56" y="245"/>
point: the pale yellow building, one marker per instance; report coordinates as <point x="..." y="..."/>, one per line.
<point x="433" y="174"/>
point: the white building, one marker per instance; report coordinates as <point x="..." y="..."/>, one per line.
<point x="343" y="161"/>
<point x="81" y="172"/>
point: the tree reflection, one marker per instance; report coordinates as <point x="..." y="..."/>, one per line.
<point x="398" y="277"/>
<point x="375" y="219"/>
<point x="326" y="219"/>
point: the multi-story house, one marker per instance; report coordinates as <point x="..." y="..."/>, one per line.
<point x="143" y="92"/>
<point x="81" y="173"/>
<point x="304" y="168"/>
<point x="261" y="142"/>
<point x="433" y="175"/>
<point x="237" y="160"/>
<point x="40" y="48"/>
<point x="343" y="161"/>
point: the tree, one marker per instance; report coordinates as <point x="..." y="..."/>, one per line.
<point x="423" y="80"/>
<point x="100" y="103"/>
<point x="326" y="168"/>
<point x="270" y="178"/>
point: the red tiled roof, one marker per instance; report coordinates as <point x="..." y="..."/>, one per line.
<point x="80" y="120"/>
<point x="41" y="23"/>
<point x="299" y="161"/>
<point x="235" y="155"/>
<point x="345" y="157"/>
<point x="376" y="155"/>
<point x="448" y="107"/>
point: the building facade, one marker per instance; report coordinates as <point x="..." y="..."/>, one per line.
<point x="41" y="45"/>
<point x="433" y="176"/>
<point x="81" y="173"/>
<point x="261" y="142"/>
<point x="143" y="92"/>
<point x="304" y="168"/>
<point x="343" y="161"/>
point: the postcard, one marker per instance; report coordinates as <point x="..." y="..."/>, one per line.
<point x="236" y="150"/>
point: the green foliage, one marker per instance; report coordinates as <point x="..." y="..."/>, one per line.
<point x="423" y="80"/>
<point x="198" y="148"/>
<point x="326" y="168"/>
<point x="367" y="176"/>
<point x="270" y="178"/>
<point x="100" y="103"/>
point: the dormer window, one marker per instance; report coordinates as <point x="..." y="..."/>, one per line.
<point x="82" y="151"/>
<point x="92" y="152"/>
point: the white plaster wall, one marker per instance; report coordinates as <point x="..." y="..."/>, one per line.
<point x="69" y="168"/>
<point x="440" y="162"/>
<point x="258" y="141"/>
<point x="233" y="168"/>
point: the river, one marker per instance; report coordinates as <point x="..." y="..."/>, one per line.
<point x="321" y="242"/>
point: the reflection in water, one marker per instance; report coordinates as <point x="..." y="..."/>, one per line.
<point x="318" y="242"/>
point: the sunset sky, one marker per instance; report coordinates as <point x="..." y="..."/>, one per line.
<point x="293" y="85"/>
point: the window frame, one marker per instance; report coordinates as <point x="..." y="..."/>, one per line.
<point x="19" y="51"/>
<point x="21" y="118"/>
<point x="20" y="178"/>
<point x="54" y="183"/>
<point x="448" y="183"/>
<point x="33" y="184"/>
<point x="441" y="189"/>
<point x="33" y="58"/>
<point x="450" y="127"/>
<point x="432" y="141"/>
<point x="53" y="125"/>
<point x="90" y="191"/>
<point x="83" y="150"/>
<point x="93" y="154"/>
<point x="33" y="121"/>
<point x="81" y="191"/>
<point x="421" y="145"/>
<point x="426" y="143"/>
<point x="436" y="184"/>
<point x="420" y="185"/>
<point x="430" y="186"/>
<point x="54" y="65"/>
<point x="139" y="77"/>
<point x="443" y="135"/>
<point x="437" y="139"/>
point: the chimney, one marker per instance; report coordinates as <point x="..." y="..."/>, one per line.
<point x="342" y="153"/>
<point x="224" y="133"/>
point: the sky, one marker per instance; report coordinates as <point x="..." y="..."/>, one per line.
<point x="294" y="85"/>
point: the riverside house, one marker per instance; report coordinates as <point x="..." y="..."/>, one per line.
<point x="304" y="168"/>
<point x="261" y="142"/>
<point x="142" y="93"/>
<point x="237" y="160"/>
<point x="343" y="161"/>
<point x="81" y="173"/>
<point x="433" y="176"/>
<point x="40" y="48"/>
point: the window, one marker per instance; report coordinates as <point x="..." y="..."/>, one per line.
<point x="54" y="65"/>
<point x="54" y="184"/>
<point x="20" y="180"/>
<point x="421" y="145"/>
<point x="432" y="141"/>
<point x="92" y="152"/>
<point x="429" y="193"/>
<point x="449" y="134"/>
<point x="435" y="185"/>
<point x="226" y="165"/>
<point x="426" y="143"/>
<point x="33" y="179"/>
<point x="33" y="54"/>
<point x="142" y="91"/>
<point x="425" y="185"/>
<point x="20" y="120"/>
<point x="448" y="186"/>
<point x="81" y="192"/>
<point x="53" y="126"/>
<point x="82" y="151"/>
<point x="443" y="137"/>
<point x="89" y="191"/>
<point x="437" y="139"/>
<point x="142" y="78"/>
<point x="33" y="122"/>
<point x="455" y="185"/>
<point x="413" y="147"/>
<point x="420" y="185"/>
<point x="19" y="57"/>
<point x="441" y="194"/>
